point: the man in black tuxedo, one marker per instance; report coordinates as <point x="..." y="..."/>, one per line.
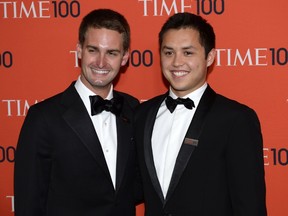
<point x="75" y="155"/>
<point x="200" y="153"/>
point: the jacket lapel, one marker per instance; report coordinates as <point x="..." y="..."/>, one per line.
<point x="79" y="120"/>
<point x="151" y="116"/>
<point x="191" y="140"/>
<point x="123" y="123"/>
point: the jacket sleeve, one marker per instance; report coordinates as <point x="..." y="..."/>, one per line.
<point x="32" y="166"/>
<point x="245" y="166"/>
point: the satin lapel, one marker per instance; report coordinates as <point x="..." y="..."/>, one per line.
<point x="124" y="142"/>
<point x="151" y="116"/>
<point x="78" y="119"/>
<point x="191" y="140"/>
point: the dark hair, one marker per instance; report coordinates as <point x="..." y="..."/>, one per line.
<point x="105" y="18"/>
<point x="188" y="20"/>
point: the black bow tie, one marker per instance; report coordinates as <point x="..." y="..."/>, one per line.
<point x="98" y="104"/>
<point x="172" y="103"/>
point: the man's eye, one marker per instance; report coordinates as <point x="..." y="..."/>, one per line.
<point x="112" y="53"/>
<point x="188" y="53"/>
<point x="168" y="53"/>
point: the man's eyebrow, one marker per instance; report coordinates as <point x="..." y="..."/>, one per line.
<point x="91" y="46"/>
<point x="184" y="48"/>
<point x="114" y="50"/>
<point x="96" y="48"/>
<point x="167" y="47"/>
<point x="189" y="47"/>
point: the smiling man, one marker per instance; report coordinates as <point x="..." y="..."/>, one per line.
<point x="200" y="153"/>
<point x="75" y="156"/>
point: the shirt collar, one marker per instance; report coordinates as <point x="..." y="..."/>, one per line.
<point x="195" y="95"/>
<point x="85" y="92"/>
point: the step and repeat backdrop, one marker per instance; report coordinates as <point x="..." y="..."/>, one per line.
<point x="38" y="59"/>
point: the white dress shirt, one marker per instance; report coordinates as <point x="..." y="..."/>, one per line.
<point x="168" y="134"/>
<point x="105" y="126"/>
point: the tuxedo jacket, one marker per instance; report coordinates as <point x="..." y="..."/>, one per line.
<point x="219" y="170"/>
<point x="60" y="169"/>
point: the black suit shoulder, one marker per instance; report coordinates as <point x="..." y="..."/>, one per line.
<point x="230" y="103"/>
<point x="232" y="107"/>
<point x="151" y="103"/>
<point x="130" y="100"/>
<point x="58" y="102"/>
<point x="48" y="102"/>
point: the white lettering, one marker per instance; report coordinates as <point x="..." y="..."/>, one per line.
<point x="12" y="202"/>
<point x="17" y="107"/>
<point x="235" y="57"/>
<point x="229" y="57"/>
<point x="266" y="156"/>
<point x="242" y="61"/>
<point x="218" y="56"/>
<point x="8" y="106"/>
<point x="166" y="7"/>
<point x="27" y="13"/>
<point x="36" y="9"/>
<point x="168" y="11"/>
<point x="258" y="57"/>
<point x="41" y="9"/>
<point x="5" y="16"/>
<point x="183" y="6"/>
<point x="145" y="7"/>
<point x="75" y="58"/>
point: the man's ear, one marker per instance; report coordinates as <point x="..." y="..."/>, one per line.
<point x="211" y="57"/>
<point x="79" y="50"/>
<point x="125" y="58"/>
